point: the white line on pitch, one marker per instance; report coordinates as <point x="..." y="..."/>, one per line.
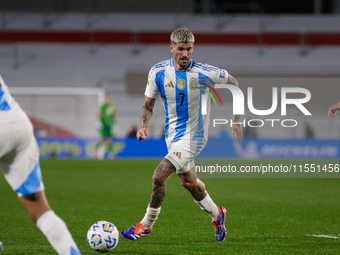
<point x="325" y="236"/>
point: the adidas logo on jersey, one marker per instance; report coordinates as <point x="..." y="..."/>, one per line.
<point x="178" y="154"/>
<point x="170" y="85"/>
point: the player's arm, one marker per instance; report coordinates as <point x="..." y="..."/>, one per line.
<point x="237" y="130"/>
<point x="99" y="124"/>
<point x="99" y="113"/>
<point x="146" y="114"/>
<point x="333" y="110"/>
<point x="114" y="118"/>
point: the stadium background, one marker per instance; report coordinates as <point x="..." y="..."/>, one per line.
<point x="109" y="47"/>
<point x="60" y="58"/>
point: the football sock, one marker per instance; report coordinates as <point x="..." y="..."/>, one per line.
<point x="150" y="217"/>
<point x="208" y="205"/>
<point x="56" y="232"/>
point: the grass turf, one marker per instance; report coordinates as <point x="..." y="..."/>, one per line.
<point x="265" y="216"/>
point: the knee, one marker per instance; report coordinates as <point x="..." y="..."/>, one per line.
<point x="189" y="183"/>
<point x="158" y="178"/>
<point x="162" y="173"/>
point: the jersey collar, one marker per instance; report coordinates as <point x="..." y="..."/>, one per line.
<point x="191" y="64"/>
<point x="189" y="67"/>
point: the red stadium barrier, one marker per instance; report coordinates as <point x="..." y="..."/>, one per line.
<point x="145" y="37"/>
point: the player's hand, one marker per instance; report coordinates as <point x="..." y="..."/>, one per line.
<point x="99" y="125"/>
<point x="332" y="111"/>
<point x="142" y="133"/>
<point x="237" y="132"/>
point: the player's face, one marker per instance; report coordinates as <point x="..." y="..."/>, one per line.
<point x="182" y="54"/>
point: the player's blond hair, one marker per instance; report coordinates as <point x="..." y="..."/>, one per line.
<point x="182" y="35"/>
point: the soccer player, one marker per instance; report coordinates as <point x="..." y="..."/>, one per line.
<point x="333" y="110"/>
<point x="19" y="162"/>
<point x="180" y="83"/>
<point x="106" y="119"/>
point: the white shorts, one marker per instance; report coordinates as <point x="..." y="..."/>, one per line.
<point x="19" y="157"/>
<point x="182" y="153"/>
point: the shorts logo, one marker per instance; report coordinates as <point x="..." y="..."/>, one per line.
<point x="170" y="85"/>
<point x="181" y="84"/>
<point x="178" y="154"/>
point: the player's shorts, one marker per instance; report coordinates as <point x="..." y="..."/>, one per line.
<point x="19" y="157"/>
<point x="182" y="153"/>
<point x="106" y="131"/>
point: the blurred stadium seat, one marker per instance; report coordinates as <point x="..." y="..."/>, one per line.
<point x="86" y="63"/>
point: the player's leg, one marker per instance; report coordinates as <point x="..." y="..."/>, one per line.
<point x="197" y="189"/>
<point x="33" y="199"/>
<point x="20" y="165"/>
<point x="160" y="177"/>
<point x="110" y="148"/>
<point x="180" y="153"/>
<point x="35" y="204"/>
<point x="52" y="226"/>
<point x="194" y="185"/>
<point x="98" y="147"/>
<point x="99" y="151"/>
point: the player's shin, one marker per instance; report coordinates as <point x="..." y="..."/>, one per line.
<point x="208" y="205"/>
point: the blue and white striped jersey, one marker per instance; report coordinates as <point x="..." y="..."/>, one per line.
<point x="181" y="93"/>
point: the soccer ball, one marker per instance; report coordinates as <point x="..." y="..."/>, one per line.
<point x="103" y="236"/>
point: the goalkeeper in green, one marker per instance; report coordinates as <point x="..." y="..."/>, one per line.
<point x="105" y="122"/>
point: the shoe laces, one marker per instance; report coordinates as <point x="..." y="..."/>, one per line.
<point x="139" y="228"/>
<point x="215" y="223"/>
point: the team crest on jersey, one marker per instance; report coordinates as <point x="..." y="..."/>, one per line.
<point x="181" y="84"/>
<point x="193" y="84"/>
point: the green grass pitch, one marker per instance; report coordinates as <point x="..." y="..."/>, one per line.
<point x="265" y="216"/>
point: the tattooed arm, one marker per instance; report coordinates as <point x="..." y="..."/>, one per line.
<point x="146" y="114"/>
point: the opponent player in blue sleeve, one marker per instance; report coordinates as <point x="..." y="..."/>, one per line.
<point x="180" y="83"/>
<point x="19" y="162"/>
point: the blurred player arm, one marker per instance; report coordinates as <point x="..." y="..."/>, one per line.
<point x="146" y="114"/>
<point x="333" y="110"/>
<point x="232" y="80"/>
<point x="99" y="124"/>
<point x="237" y="130"/>
<point x="114" y="119"/>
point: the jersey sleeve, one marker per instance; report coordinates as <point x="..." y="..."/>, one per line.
<point x="221" y="76"/>
<point x="212" y="75"/>
<point x="151" y="89"/>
